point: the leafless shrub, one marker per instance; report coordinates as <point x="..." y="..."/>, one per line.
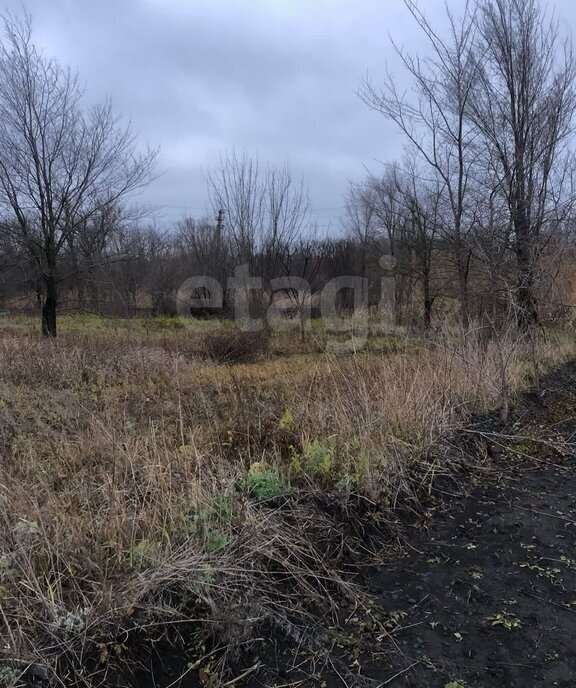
<point x="235" y="346"/>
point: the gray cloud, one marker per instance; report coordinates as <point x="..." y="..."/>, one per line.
<point x="276" y="78"/>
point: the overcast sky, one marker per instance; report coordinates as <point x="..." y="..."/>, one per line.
<point x="274" y="78"/>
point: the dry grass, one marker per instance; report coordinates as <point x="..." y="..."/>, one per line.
<point x="142" y="485"/>
<point x="235" y="346"/>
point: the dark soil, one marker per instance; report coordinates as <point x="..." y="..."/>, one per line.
<point x="477" y="589"/>
<point x="509" y="552"/>
<point x="483" y="597"/>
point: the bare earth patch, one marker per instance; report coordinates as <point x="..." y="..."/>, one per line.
<point x="484" y="596"/>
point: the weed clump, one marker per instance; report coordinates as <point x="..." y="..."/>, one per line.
<point x="317" y="460"/>
<point x="263" y="482"/>
<point x="235" y="346"/>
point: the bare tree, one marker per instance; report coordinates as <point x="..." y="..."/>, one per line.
<point x="266" y="213"/>
<point x="524" y="106"/>
<point x="436" y="122"/>
<point x="60" y="164"/>
<point x="422" y="212"/>
<point x="298" y="275"/>
<point x="393" y="222"/>
<point x="235" y="187"/>
<point x="361" y="223"/>
<point x="88" y="251"/>
<point x="203" y="249"/>
<point x="287" y="220"/>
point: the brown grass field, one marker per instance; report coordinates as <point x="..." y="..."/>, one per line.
<point x="144" y="485"/>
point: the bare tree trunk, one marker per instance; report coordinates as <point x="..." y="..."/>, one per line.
<point x="49" y="306"/>
<point x="463" y="295"/>
<point x="428" y="303"/>
<point x="526" y="299"/>
<point x="61" y="167"/>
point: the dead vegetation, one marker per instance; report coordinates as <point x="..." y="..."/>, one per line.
<point x="236" y="346"/>
<point x="143" y="487"/>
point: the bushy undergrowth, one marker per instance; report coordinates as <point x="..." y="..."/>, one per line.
<point x="141" y="487"/>
<point x="236" y="346"/>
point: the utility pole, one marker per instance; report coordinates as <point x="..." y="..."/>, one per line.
<point x="219" y="249"/>
<point x="220" y="222"/>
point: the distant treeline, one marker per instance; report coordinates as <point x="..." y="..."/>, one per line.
<point x="476" y="221"/>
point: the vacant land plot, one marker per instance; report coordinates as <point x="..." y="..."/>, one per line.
<point x="481" y="595"/>
<point x="164" y="485"/>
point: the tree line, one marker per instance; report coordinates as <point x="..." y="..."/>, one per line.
<point x="478" y="212"/>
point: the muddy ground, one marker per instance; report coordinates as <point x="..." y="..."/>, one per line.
<point x="479" y="591"/>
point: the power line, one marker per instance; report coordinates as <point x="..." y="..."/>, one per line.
<point x="204" y="210"/>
